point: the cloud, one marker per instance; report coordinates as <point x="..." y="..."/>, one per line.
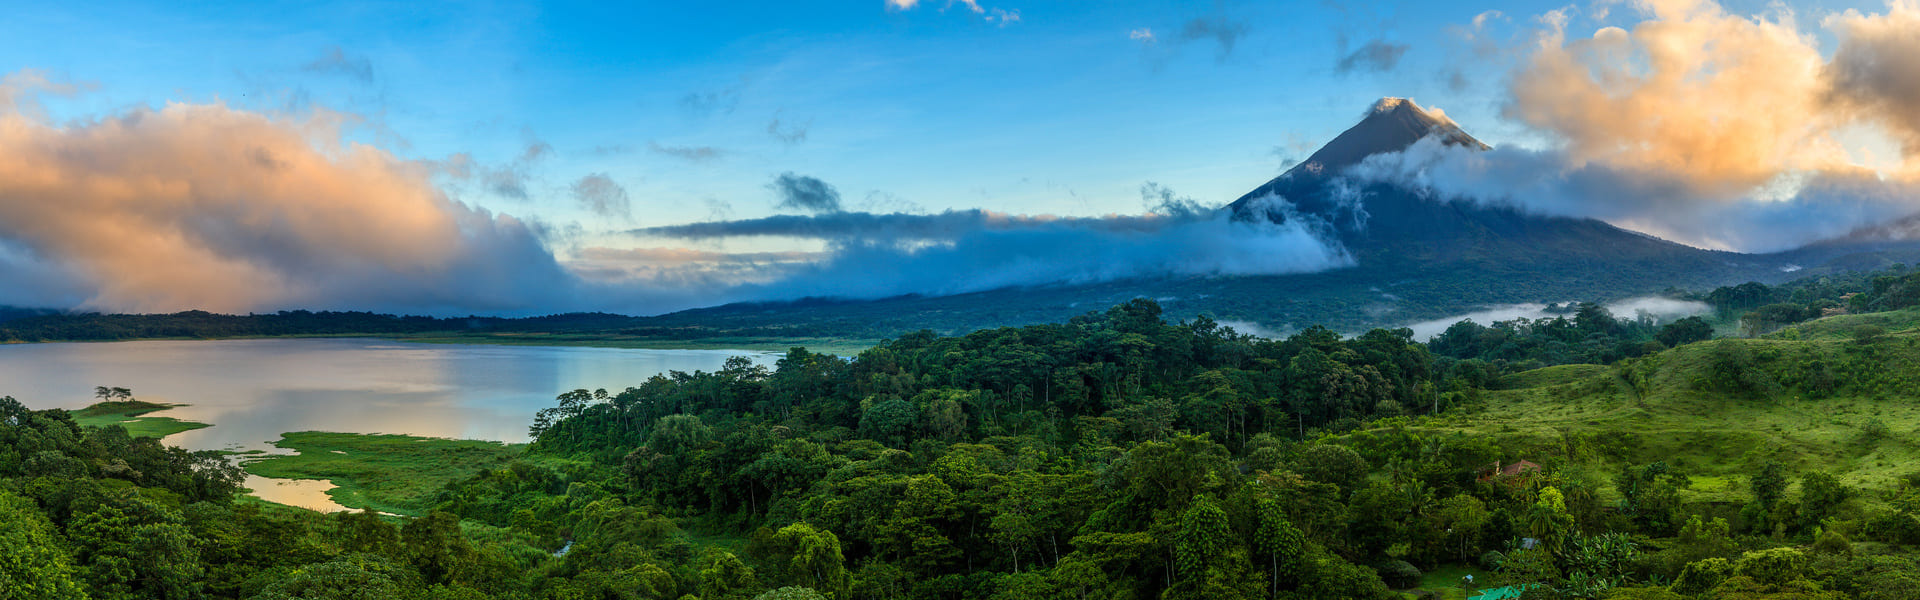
<point x="335" y="61"/>
<point x="201" y="206"/>
<point x="1143" y="35"/>
<point x="965" y="251"/>
<point x="684" y="256"/>
<point x="610" y="150"/>
<point x="710" y="274"/>
<point x="805" y="193"/>
<point x="1480" y="20"/>
<point x="1221" y="30"/>
<point x="992" y="15"/>
<point x="510" y="180"/>
<point x="707" y="104"/>
<point x="1376" y="55"/>
<point x="1702" y="126"/>
<point x="1161" y="201"/>
<point x="19" y="91"/>
<point x="1825" y="205"/>
<point x="1731" y="101"/>
<point x="1876" y="71"/>
<point x="599" y="194"/>
<point x="788" y="133"/>
<point x="1661" y="310"/>
<point x="894" y="227"/>
<point x="698" y="154"/>
<point x="877" y="201"/>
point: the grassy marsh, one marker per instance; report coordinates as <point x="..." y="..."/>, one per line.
<point x="132" y="416"/>
<point x="396" y="474"/>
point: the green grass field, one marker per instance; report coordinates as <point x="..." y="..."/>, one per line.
<point x="1842" y="327"/>
<point x="131" y="415"/>
<point x="1448" y="582"/>
<point x="388" y="473"/>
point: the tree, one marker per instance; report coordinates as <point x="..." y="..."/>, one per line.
<point x="1684" y="331"/>
<point x="803" y="555"/>
<point x="1548" y="520"/>
<point x="132" y="548"/>
<point x="889" y="421"/>
<point x="1202" y="536"/>
<point x="723" y="576"/>
<point x="350" y="577"/>
<point x="1768" y="487"/>
<point x="1463" y="516"/>
<point x="1773" y="566"/>
<point x="791" y="593"/>
<point x="112" y="394"/>
<point x="1702" y="575"/>
<point x="434" y="546"/>
<point x="33" y="566"/>
<point x="1820" y="497"/>
<point x="1650" y="495"/>
<point x="1335" y="464"/>
<point x="1283" y="546"/>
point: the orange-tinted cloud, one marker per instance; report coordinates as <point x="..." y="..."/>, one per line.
<point x="209" y="207"/>
<point x="1726" y="100"/>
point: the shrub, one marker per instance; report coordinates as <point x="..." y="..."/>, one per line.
<point x="1831" y="542"/>
<point x="791" y="593"/>
<point x="1491" y="560"/>
<point x="1773" y="566"/>
<point x="1400" y="574"/>
<point x="1702" y="575"/>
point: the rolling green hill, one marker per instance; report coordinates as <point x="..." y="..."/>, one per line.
<point x="1819" y="396"/>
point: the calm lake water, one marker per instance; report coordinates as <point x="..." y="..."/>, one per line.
<point x="251" y="391"/>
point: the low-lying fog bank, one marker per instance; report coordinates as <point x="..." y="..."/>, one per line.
<point x="1659" y="308"/>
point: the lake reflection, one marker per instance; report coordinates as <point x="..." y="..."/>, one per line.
<point x="254" y="390"/>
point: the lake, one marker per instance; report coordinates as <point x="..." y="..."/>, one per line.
<point x="252" y="391"/>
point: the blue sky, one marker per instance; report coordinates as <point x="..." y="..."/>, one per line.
<point x="689" y="111"/>
<point x="1062" y="111"/>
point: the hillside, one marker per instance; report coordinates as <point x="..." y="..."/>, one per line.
<point x="1817" y="396"/>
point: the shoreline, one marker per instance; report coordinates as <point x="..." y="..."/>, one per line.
<point x="837" y="346"/>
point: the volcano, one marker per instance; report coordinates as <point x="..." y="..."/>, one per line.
<point x="1416" y="256"/>
<point x="1392" y="227"/>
